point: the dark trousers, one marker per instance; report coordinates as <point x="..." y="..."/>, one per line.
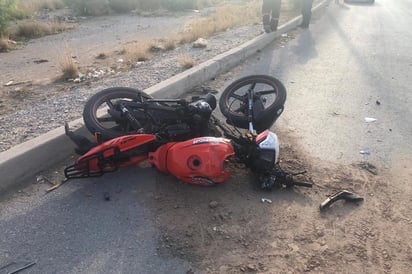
<point x="306" y="12"/>
<point x="271" y="7"/>
<point x="270" y="14"/>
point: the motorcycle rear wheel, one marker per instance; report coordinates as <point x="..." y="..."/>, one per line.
<point x="268" y="92"/>
<point x="100" y="121"/>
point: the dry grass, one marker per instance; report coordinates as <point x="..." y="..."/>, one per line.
<point x="5" y="43"/>
<point x="35" y="29"/>
<point x="170" y="44"/>
<point x="225" y="17"/>
<point x="139" y="52"/>
<point x="68" y="67"/>
<point x="187" y="62"/>
<point x="35" y="6"/>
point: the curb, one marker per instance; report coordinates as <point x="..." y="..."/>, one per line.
<point x="25" y="160"/>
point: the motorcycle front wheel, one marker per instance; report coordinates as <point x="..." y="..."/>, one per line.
<point x="101" y="109"/>
<point x="269" y="96"/>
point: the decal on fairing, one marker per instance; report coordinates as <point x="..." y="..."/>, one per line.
<point x="203" y="140"/>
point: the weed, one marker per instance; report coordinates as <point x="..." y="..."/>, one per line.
<point x="170" y="44"/>
<point x="35" y="29"/>
<point x="35" y="6"/>
<point x="187" y="62"/>
<point x="225" y="17"/>
<point x="68" y="67"/>
<point x="138" y="52"/>
<point x="5" y="44"/>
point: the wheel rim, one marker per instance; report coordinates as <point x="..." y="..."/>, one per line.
<point x="237" y="100"/>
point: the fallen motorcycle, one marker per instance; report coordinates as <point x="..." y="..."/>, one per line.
<point x="120" y="111"/>
<point x="202" y="160"/>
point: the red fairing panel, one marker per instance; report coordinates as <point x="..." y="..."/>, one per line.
<point x="196" y="161"/>
<point x="109" y="148"/>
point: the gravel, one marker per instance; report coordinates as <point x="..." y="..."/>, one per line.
<point x="50" y="113"/>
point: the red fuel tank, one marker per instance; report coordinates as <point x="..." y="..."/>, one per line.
<point x="197" y="161"/>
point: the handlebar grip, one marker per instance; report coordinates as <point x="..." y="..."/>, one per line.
<point x="305" y="184"/>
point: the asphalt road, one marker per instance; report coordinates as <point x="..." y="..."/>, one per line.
<point x="353" y="63"/>
<point x="335" y="72"/>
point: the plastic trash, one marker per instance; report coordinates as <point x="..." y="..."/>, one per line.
<point x="264" y="200"/>
<point x="370" y="119"/>
<point x="365" y="152"/>
<point x="341" y="195"/>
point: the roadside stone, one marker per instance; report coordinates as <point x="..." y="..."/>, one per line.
<point x="200" y="43"/>
<point x="213" y="204"/>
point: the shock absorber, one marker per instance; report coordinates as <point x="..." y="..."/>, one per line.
<point x="133" y="121"/>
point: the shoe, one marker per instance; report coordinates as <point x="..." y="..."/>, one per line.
<point x="266" y="23"/>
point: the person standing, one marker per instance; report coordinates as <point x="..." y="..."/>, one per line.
<point x="306" y="13"/>
<point x="270" y="15"/>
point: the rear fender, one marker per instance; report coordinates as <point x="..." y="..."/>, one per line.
<point x="93" y="158"/>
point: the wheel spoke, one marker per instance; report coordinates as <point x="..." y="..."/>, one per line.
<point x="238" y="97"/>
<point x="110" y="104"/>
<point x="264" y="92"/>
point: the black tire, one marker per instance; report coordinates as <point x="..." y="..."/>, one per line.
<point x="105" y="124"/>
<point x="234" y="101"/>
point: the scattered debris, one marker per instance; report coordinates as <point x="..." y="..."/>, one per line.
<point x="98" y="73"/>
<point x="264" y="200"/>
<point x="341" y="195"/>
<point x="42" y="178"/>
<point x="378" y="102"/>
<point x="365" y="152"/>
<point x="213" y="204"/>
<point x="370" y="120"/>
<point x="40" y="61"/>
<point x="369" y="167"/>
<point x="12" y="83"/>
<point x="284" y="35"/>
<point x="56" y="186"/>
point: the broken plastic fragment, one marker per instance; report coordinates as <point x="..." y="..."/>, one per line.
<point x="264" y="200"/>
<point x="370" y="119"/>
<point x="365" y="152"/>
<point x="344" y="194"/>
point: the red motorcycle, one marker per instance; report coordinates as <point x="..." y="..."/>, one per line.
<point x="202" y="160"/>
